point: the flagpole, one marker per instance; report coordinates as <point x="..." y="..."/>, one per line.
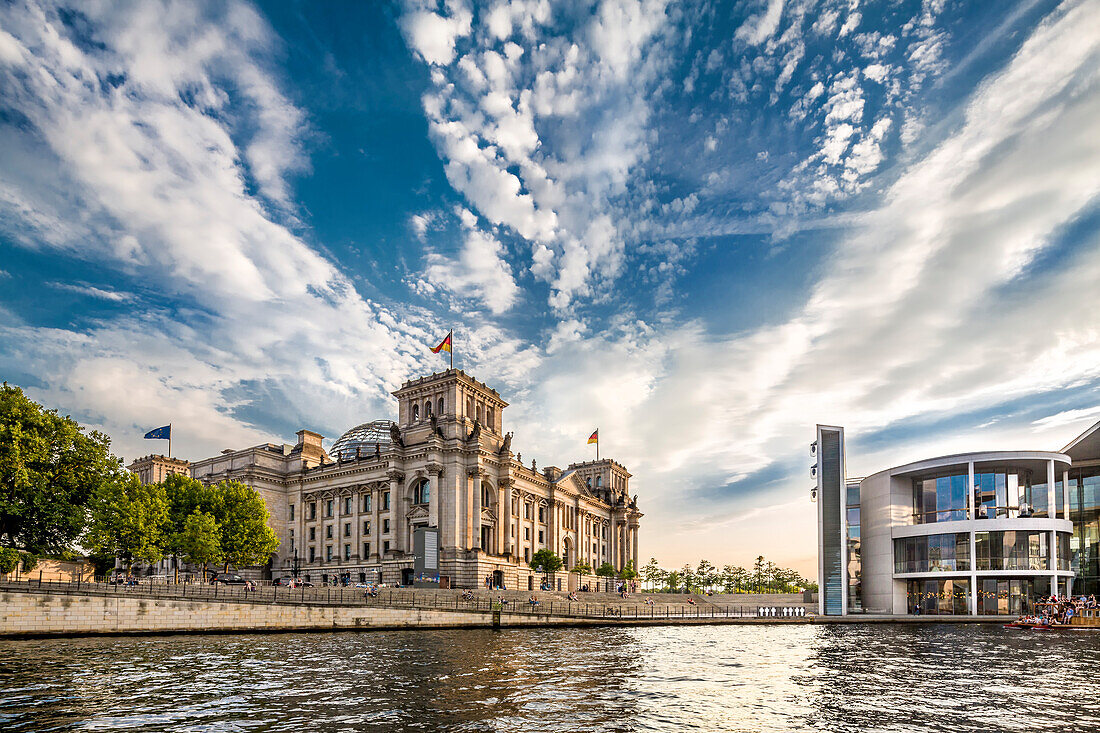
<point x="170" y="441"/>
<point x="452" y="349"/>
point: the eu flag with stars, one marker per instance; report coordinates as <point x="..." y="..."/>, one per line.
<point x="164" y="433"/>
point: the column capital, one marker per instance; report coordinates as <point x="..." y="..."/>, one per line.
<point x="436" y="469"/>
<point x="505" y="482"/>
<point x="395" y="475"/>
<point x="475" y="471"/>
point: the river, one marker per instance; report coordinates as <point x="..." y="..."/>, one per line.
<point x="714" y="678"/>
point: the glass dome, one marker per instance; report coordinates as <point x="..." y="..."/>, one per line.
<point x="365" y="438"/>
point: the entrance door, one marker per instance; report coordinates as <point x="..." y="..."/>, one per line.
<point x="530" y="582"/>
<point x="498" y="579"/>
<point x="406" y="576"/>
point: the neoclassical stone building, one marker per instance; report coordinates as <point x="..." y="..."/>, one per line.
<point x="446" y="463"/>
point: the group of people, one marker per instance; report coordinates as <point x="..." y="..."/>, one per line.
<point x="1060" y="610"/>
<point x="491" y="585"/>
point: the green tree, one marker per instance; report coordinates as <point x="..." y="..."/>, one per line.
<point x="9" y="560"/>
<point x="651" y="573"/>
<point x="606" y="570"/>
<point x="628" y="571"/>
<point x="200" y="541"/>
<point x="706" y="575"/>
<point x="546" y="561"/>
<point x="690" y="580"/>
<point x="49" y="471"/>
<point x="185" y="497"/>
<point x="581" y="568"/>
<point x="674" y="579"/>
<point x="245" y="537"/>
<point x="757" y="577"/>
<point x="129" y="519"/>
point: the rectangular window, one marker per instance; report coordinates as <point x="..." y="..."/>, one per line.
<point x="385" y="526"/>
<point x="313" y="510"/>
<point x="292" y="512"/>
<point x="347" y="529"/>
<point x="328" y="508"/>
<point x="328" y="552"/>
<point x="541" y="535"/>
<point x="347" y="552"/>
<point x="328" y="532"/>
<point x="347" y="505"/>
<point x="527" y="554"/>
<point x="366" y="526"/>
<point x="526" y="511"/>
<point x="542" y="515"/>
<point x="312" y="533"/>
<point x="366" y="502"/>
<point x="313" y="554"/>
<point x="366" y="550"/>
<point x="386" y="547"/>
<point x="526" y="533"/>
<point x="385" y="500"/>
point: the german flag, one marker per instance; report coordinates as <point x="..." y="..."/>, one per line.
<point x="444" y="345"/>
<point x="594" y="437"/>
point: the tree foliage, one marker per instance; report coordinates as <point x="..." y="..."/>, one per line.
<point x="129" y="519"/>
<point x="49" y="471"/>
<point x="546" y="561"/>
<point x="581" y="568"/>
<point x="199" y="540"/>
<point x="764" y="577"/>
<point x="606" y="570"/>
<point x="245" y="537"/>
<point x="628" y="571"/>
<point x="9" y="560"/>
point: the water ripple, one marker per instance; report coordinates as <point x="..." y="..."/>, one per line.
<point x="778" y="678"/>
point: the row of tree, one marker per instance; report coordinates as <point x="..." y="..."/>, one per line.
<point x="61" y="489"/>
<point x="548" y="561"/>
<point x="763" y="577"/>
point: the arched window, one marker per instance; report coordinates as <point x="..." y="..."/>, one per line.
<point x="588" y="482"/>
<point x="427" y="408"/>
<point x="486" y="494"/>
<point x="469" y="407"/>
<point x="599" y="481"/>
<point x="489" y="417"/>
<point x="416" y="412"/>
<point x="440" y="410"/>
<point x="479" y="413"/>
<point x="422" y="492"/>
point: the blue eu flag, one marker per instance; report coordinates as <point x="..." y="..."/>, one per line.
<point x="164" y="433"/>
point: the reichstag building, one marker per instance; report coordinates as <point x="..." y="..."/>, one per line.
<point x="351" y="512"/>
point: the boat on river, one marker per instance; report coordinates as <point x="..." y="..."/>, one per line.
<point x="1047" y="618"/>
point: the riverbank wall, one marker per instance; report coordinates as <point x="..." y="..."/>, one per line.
<point x="37" y="614"/>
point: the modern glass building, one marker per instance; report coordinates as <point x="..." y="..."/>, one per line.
<point x="972" y="533"/>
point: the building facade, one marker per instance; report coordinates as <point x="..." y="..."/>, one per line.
<point x="446" y="463"/>
<point x="972" y="533"/>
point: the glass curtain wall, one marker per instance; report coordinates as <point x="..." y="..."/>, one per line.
<point x="1011" y="596"/>
<point x="940" y="499"/>
<point x="938" y="597"/>
<point x="1012" y="550"/>
<point x="932" y="553"/>
<point x="1008" y="494"/>
<point x="855" y="597"/>
<point x="1084" y="511"/>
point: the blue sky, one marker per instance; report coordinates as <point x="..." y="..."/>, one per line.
<point x="701" y="227"/>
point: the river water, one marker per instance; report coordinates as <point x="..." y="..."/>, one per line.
<point x="708" y="678"/>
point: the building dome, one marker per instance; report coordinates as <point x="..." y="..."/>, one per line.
<point x="362" y="440"/>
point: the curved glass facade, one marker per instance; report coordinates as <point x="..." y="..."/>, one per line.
<point x="1013" y="596"/>
<point x="932" y="553"/>
<point x="362" y="440"/>
<point x="940" y="499"/>
<point x="938" y="597"/>
<point x="1012" y="550"/>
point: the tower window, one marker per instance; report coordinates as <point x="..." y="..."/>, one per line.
<point x="440" y="410"/>
<point x="427" y="408"/>
<point x="416" y="412"/>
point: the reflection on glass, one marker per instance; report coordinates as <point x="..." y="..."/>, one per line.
<point x="1012" y="596"/>
<point x="940" y="499"/>
<point x="932" y="553"/>
<point x="1012" y="550"/>
<point x="938" y="597"/>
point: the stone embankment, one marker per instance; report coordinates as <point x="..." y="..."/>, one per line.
<point x="70" y="609"/>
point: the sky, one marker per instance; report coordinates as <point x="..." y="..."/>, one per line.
<point x="701" y="227"/>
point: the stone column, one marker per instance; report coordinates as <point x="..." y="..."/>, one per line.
<point x="435" y="473"/>
<point x="634" y="546"/>
<point x="475" y="524"/>
<point x="357" y="527"/>
<point x="396" y="478"/>
<point x="506" y="485"/>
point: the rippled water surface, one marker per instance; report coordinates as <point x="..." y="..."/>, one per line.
<point x="732" y="678"/>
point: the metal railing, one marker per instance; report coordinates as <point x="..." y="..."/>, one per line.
<point x="386" y="598"/>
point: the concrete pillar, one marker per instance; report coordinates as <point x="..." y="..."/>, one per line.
<point x="357" y="524"/>
<point x="1052" y="498"/>
<point x="1065" y="491"/>
<point x="435" y="473"/>
<point x="396" y="479"/>
<point x="375" y="528"/>
<point x="973" y="510"/>
<point x="634" y="547"/>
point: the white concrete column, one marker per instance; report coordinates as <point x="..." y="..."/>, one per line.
<point x="973" y="510"/>
<point x="435" y="473"/>
<point x="357" y="524"/>
<point x="1065" y="492"/>
<point x="634" y="548"/>
<point x="1052" y="498"/>
<point x="375" y="529"/>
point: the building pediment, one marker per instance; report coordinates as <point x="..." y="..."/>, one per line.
<point x="419" y="511"/>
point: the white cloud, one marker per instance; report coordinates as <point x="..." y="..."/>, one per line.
<point x="760" y="27"/>
<point x="433" y="36"/>
<point x="93" y="292"/>
<point x="480" y="271"/>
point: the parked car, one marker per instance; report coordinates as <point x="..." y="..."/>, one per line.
<point x="285" y="582"/>
<point x="228" y="579"/>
